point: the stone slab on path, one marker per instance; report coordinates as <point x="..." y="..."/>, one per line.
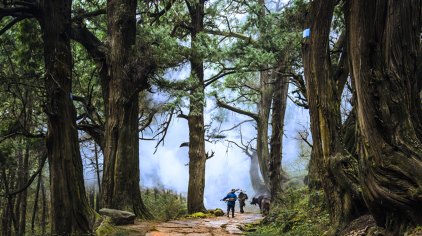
<point x="221" y="225"/>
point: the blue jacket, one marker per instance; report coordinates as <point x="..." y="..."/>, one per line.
<point x="231" y="195"/>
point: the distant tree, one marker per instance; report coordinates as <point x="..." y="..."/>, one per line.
<point x="272" y="54"/>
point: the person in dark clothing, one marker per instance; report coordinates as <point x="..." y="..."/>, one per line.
<point x="231" y="202"/>
<point x="242" y="198"/>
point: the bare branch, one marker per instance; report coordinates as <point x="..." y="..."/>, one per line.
<point x="148" y="120"/>
<point x="208" y="156"/>
<point x="164" y="128"/>
<point x="237" y="110"/>
<point x="11" y="24"/>
<point x="182" y="115"/>
<point x="91" y="14"/>
<point x="234" y="127"/>
<point x="31" y="179"/>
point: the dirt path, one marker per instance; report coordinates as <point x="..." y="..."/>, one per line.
<point x="221" y="225"/>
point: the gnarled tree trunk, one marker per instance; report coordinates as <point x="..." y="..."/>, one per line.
<point x="384" y="48"/>
<point x="324" y="89"/>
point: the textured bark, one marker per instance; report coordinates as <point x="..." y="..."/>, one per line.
<point x="276" y="174"/>
<point x="66" y="176"/>
<point x="264" y="107"/>
<point x="384" y="49"/>
<point x="329" y="156"/>
<point x="120" y="185"/>
<point x="197" y="156"/>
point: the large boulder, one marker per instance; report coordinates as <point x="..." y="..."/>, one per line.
<point x="118" y="217"/>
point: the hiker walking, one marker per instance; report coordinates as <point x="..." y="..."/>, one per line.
<point x="242" y="198"/>
<point x="231" y="202"/>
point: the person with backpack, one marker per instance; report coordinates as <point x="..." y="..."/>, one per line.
<point x="242" y="198"/>
<point x="231" y="202"/>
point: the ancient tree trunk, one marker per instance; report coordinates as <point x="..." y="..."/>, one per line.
<point x="197" y="157"/>
<point x="120" y="185"/>
<point x="384" y="48"/>
<point x="66" y="174"/>
<point x="276" y="173"/>
<point x="264" y="107"/>
<point x="323" y="92"/>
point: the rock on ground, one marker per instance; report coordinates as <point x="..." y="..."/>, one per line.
<point x="118" y="217"/>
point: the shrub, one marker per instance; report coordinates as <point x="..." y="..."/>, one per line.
<point x="164" y="204"/>
<point x="292" y="214"/>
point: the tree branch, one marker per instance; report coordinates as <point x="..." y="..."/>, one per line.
<point x="11" y="24"/>
<point x="8" y="194"/>
<point x="237" y="110"/>
<point x="231" y="34"/>
<point x="148" y="120"/>
<point x="86" y="15"/>
<point x="96" y="49"/>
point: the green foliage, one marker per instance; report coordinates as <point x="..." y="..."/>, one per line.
<point x="292" y="214"/>
<point x="164" y="204"/>
<point x="208" y="214"/>
<point x="216" y="212"/>
<point x="155" y="43"/>
<point x="199" y="215"/>
<point x="106" y="228"/>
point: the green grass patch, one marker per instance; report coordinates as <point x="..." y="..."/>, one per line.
<point x="106" y="228"/>
<point x="293" y="214"/>
<point x="164" y="204"/>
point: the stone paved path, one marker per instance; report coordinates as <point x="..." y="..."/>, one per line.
<point x="196" y="227"/>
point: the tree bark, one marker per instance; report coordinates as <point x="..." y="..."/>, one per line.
<point x="120" y="185"/>
<point x="66" y="174"/>
<point x="197" y="156"/>
<point x="324" y="88"/>
<point x="384" y="46"/>
<point x="276" y="173"/>
<point x="264" y="107"/>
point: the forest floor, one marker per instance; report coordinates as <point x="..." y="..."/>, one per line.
<point x="221" y="225"/>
